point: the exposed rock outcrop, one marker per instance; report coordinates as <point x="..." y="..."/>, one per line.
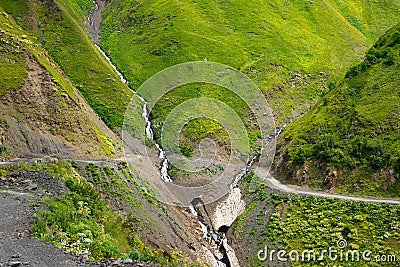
<point x="226" y="212"/>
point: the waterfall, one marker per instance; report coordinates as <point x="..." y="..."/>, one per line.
<point x="145" y="115"/>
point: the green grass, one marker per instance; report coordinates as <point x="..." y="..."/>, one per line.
<point x="80" y="220"/>
<point x="80" y="8"/>
<point x="207" y="124"/>
<point x="145" y="38"/>
<point x="289" y="222"/>
<point x="360" y="14"/>
<point x="318" y="223"/>
<point x="354" y="128"/>
<point x="73" y="51"/>
<point x="19" y="9"/>
<point x="281" y="46"/>
<point x="12" y="60"/>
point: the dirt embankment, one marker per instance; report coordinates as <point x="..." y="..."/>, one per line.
<point x="41" y="119"/>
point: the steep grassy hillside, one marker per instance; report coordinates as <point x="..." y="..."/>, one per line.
<point x="41" y="112"/>
<point x="257" y="38"/>
<point x="294" y="51"/>
<point x="59" y="27"/>
<point x="350" y="140"/>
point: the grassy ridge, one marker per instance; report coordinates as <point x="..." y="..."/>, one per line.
<point x="354" y="128"/>
<point x="74" y="52"/>
<point x="144" y="38"/>
<point x="282" y="46"/>
<point x="368" y="17"/>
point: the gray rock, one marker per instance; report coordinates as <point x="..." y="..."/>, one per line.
<point x="32" y="187"/>
<point x="14" y="263"/>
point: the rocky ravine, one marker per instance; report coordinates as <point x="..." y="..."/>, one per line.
<point x="208" y="242"/>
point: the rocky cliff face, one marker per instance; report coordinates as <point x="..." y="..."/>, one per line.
<point x="228" y="210"/>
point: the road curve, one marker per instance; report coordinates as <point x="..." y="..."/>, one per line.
<point x="276" y="184"/>
<point x="272" y="182"/>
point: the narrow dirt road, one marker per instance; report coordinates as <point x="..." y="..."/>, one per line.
<point x="271" y="182"/>
<point x="276" y="184"/>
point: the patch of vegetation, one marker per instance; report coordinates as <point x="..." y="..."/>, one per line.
<point x="12" y="61"/>
<point x="289" y="222"/>
<point x="301" y="223"/>
<point x="158" y="34"/>
<point x="203" y="127"/>
<point x="354" y="129"/>
<point x="360" y="16"/>
<point x="80" y="8"/>
<point x="19" y="9"/>
<point x="80" y="221"/>
<point x="73" y="51"/>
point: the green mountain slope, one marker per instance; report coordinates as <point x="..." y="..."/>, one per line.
<point x="354" y="130"/>
<point x="103" y="212"/>
<point x="256" y="37"/>
<point x="294" y="51"/>
<point x="41" y="112"/>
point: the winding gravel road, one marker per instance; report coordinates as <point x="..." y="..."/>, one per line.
<point x="276" y="184"/>
<point x="272" y="182"/>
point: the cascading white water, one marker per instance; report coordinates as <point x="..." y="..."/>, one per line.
<point x="204" y="229"/>
<point x="145" y="115"/>
<point x="275" y="133"/>
<point x="96" y="6"/>
<point x="111" y="64"/>
<point x="206" y="234"/>
<point x="89" y="18"/>
<point x="244" y="171"/>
